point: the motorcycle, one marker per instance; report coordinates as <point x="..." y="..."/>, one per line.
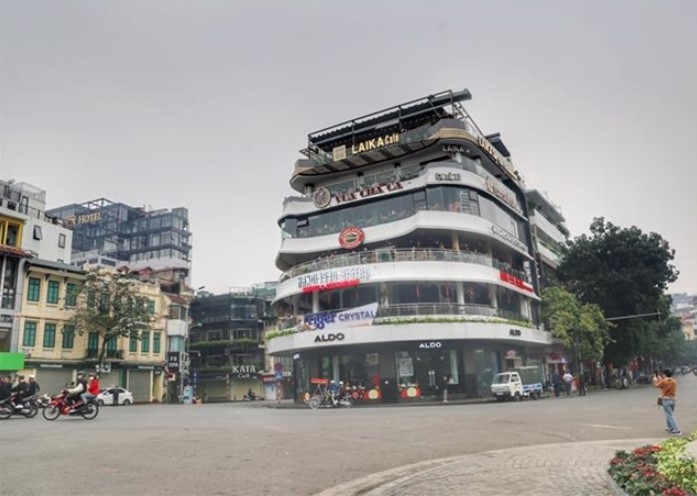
<point x="26" y="407"/>
<point x="59" y="406"/>
<point x="325" y="401"/>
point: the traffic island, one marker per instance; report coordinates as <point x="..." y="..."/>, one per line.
<point x="668" y="468"/>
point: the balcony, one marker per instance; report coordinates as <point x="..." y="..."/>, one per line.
<point x="548" y="229"/>
<point x="449" y="311"/>
<point x="390" y="255"/>
<point x="113" y="354"/>
<point x="243" y="343"/>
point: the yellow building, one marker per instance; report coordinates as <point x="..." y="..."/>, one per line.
<point x="55" y="352"/>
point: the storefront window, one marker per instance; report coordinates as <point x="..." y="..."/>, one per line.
<point x="486" y="365"/>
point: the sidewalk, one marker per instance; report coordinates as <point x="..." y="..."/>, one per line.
<point x="578" y="469"/>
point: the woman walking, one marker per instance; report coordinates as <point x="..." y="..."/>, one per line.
<point x="668" y="387"/>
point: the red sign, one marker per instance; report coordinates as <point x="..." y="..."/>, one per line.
<point x="332" y="285"/>
<point x="518" y="283"/>
<point x="351" y="237"/>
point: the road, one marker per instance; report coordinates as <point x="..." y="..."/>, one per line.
<point x="248" y="449"/>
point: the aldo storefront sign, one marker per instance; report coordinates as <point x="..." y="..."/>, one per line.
<point x="325" y="338"/>
<point x="430" y="345"/>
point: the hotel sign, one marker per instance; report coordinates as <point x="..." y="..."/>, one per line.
<point x="83" y="219"/>
<point x="348" y="318"/>
<point x="375" y="143"/>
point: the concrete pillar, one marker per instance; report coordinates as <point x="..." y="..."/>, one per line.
<point x="384" y="295"/>
<point x="460" y="290"/>
<point x="335" y="368"/>
<point x="455" y="241"/>
<point x="492" y="296"/>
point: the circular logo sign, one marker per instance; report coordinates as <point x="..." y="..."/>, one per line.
<point x="322" y="197"/>
<point x="351" y="237"/>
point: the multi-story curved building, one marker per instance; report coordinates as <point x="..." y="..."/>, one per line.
<point x="408" y="258"/>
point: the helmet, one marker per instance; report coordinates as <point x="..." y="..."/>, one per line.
<point x="332" y="381"/>
<point x="32" y="377"/>
<point x="81" y="374"/>
<point x="341" y="382"/>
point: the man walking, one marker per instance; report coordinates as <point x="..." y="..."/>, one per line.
<point x="668" y="387"/>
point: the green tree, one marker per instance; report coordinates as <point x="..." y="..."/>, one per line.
<point x="625" y="272"/>
<point x="581" y="327"/>
<point x="109" y="304"/>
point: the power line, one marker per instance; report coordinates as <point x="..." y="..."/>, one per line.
<point x="635" y="316"/>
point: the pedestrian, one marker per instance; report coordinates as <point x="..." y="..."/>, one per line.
<point x="581" y="384"/>
<point x="115" y="395"/>
<point x="556" y="383"/>
<point x="668" y="387"/>
<point x="447" y="380"/>
<point x="568" y="381"/>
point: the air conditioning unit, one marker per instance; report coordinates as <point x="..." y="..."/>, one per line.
<point x="105" y="368"/>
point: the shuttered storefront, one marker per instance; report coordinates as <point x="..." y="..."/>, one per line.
<point x="52" y="381"/>
<point x="140" y="384"/>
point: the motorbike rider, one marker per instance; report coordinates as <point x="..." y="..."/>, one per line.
<point x="92" y="388"/>
<point x="32" y="386"/>
<point x="73" y="395"/>
<point x="5" y="388"/>
<point x="333" y="391"/>
<point x="19" y="391"/>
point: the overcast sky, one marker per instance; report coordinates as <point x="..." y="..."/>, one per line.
<point x="205" y="104"/>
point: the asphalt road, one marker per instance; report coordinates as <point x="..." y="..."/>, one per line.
<point x="248" y="449"/>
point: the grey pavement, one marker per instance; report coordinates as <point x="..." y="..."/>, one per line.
<point x="247" y="449"/>
<point x="578" y="469"/>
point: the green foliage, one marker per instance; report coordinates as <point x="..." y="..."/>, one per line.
<point x="625" y="272"/>
<point x="651" y="470"/>
<point x="676" y="465"/>
<point x="581" y="327"/>
<point x="110" y="304"/>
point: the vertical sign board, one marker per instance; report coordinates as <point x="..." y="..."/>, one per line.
<point x="173" y="361"/>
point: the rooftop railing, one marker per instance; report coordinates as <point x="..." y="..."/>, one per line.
<point x="391" y="255"/>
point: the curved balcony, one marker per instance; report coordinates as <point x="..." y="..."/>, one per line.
<point x="385" y="314"/>
<point x="390" y="255"/>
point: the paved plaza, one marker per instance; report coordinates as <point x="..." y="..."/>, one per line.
<point x="553" y="446"/>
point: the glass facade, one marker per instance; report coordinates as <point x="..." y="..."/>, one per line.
<point x="453" y="199"/>
<point x="125" y="233"/>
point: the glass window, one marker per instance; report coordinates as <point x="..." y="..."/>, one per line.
<point x="71" y="291"/>
<point x="156" y="342"/>
<point x="151" y="307"/>
<point x="61" y="240"/>
<point x="145" y="342"/>
<point x="133" y="344"/>
<point x="111" y="344"/>
<point x="37" y="232"/>
<point x="167" y="221"/>
<point x="29" y="338"/>
<point x="68" y="337"/>
<point x="156" y="223"/>
<point x="34" y="289"/>
<point x="93" y="341"/>
<point x="52" y="292"/>
<point x="49" y="335"/>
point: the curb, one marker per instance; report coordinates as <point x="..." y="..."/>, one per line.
<point x="374" y="481"/>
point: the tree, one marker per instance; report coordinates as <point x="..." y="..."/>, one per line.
<point x="109" y="303"/>
<point x="581" y="327"/>
<point x="625" y="272"/>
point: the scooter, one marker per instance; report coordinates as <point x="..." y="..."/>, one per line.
<point x="26" y="408"/>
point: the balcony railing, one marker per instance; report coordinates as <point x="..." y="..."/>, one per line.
<point x="448" y="310"/>
<point x="117" y="354"/>
<point x="390" y="255"/>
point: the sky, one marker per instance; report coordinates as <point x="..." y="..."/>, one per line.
<point x="205" y="104"/>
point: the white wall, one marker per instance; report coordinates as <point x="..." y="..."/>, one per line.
<point x="47" y="247"/>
